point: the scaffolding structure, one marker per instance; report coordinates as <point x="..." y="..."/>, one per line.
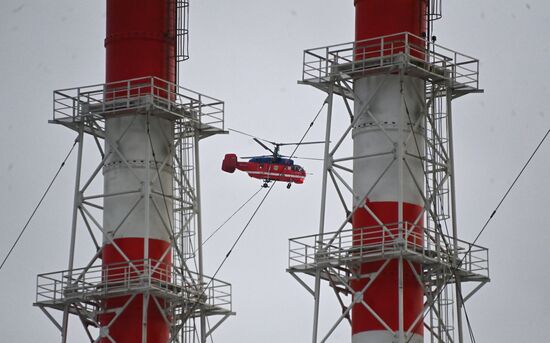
<point x="431" y="241"/>
<point x="186" y="298"/>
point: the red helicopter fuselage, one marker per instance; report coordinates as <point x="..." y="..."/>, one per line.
<point x="266" y="168"/>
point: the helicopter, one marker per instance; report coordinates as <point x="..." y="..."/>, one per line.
<point x="274" y="167"/>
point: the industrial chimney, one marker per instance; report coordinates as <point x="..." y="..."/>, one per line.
<point x="145" y="282"/>
<point x="398" y="270"/>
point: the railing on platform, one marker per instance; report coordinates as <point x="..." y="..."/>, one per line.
<point x="376" y="243"/>
<point x="140" y="93"/>
<point x="159" y="278"/>
<point x="358" y="58"/>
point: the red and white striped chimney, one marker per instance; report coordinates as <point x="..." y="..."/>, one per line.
<point x="140" y="43"/>
<point x="394" y="197"/>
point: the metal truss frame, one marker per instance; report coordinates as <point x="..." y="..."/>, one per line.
<point x="186" y="298"/>
<point x="446" y="262"/>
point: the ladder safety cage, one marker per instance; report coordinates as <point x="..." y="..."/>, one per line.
<point x="435" y="10"/>
<point x="182" y="30"/>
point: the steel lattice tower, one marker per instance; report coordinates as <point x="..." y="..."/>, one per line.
<point x="401" y="263"/>
<point x="145" y="282"/>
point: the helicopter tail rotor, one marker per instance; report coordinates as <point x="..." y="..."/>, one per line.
<point x="229" y="163"/>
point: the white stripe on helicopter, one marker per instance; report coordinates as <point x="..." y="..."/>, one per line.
<point x="277" y="174"/>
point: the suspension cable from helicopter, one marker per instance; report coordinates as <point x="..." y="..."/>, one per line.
<point x="254" y="195"/>
<point x="232" y="215"/>
<point x="231" y="249"/>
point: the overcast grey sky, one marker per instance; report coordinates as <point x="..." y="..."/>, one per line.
<point x="249" y="53"/>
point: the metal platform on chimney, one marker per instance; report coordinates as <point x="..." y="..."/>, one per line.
<point x="339" y="65"/>
<point x="83" y="290"/>
<point x="339" y="255"/>
<point x="147" y="95"/>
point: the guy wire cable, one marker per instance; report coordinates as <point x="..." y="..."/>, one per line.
<point x="38" y="205"/>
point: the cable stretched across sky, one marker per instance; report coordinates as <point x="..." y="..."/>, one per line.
<point x="491" y="216"/>
<point x="38" y="205"/>
<point x="512" y="185"/>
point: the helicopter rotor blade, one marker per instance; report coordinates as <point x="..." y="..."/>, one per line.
<point x="303" y="143"/>
<point x="309" y="158"/>
<point x="304" y="158"/>
<point x="252" y="136"/>
<point x="274" y="151"/>
<point x="263" y="145"/>
<point x="241" y="132"/>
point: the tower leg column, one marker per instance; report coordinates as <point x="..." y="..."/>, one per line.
<point x="326" y="167"/>
<point x="76" y="205"/>
<point x="198" y="210"/>
<point x="451" y="167"/>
